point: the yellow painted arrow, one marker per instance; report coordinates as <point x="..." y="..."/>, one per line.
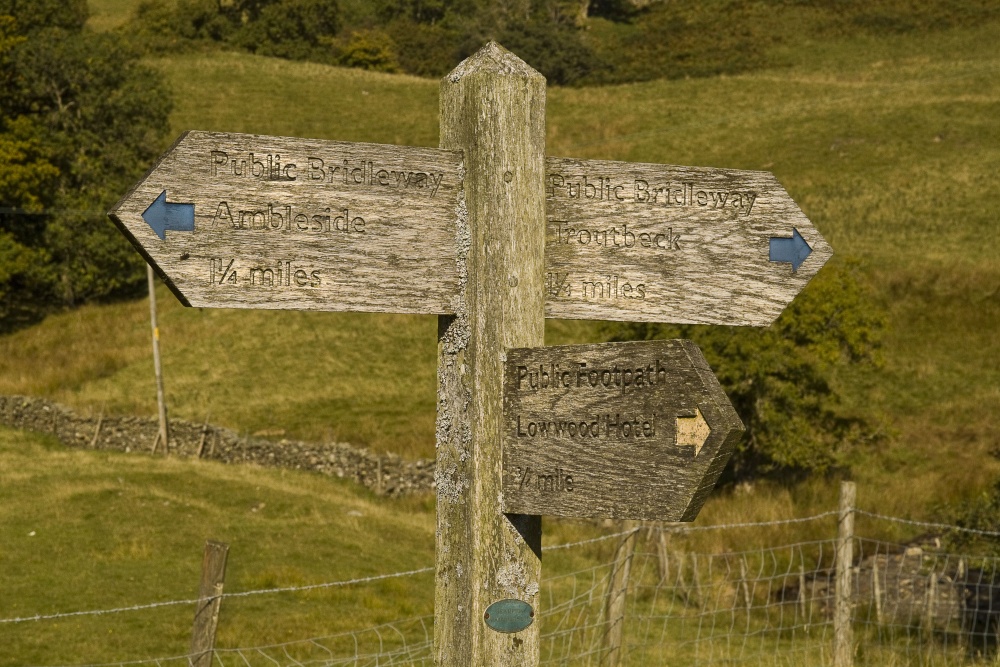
<point x="693" y="432"/>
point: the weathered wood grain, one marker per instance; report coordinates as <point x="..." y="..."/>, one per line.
<point x="303" y="224"/>
<point x="593" y="430"/>
<point x="493" y="108"/>
<point x="321" y="225"/>
<point x="617" y="599"/>
<point x="206" y="617"/>
<point x="843" y="633"/>
<point x="161" y="402"/>
<point x="661" y="243"/>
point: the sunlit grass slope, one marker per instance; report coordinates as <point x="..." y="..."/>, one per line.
<point x="890" y="146"/>
<point x="90" y="530"/>
<point x="359" y="378"/>
<point x="107" y="15"/>
<point x="239" y="92"/>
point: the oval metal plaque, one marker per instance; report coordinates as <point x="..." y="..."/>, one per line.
<point x="509" y="615"/>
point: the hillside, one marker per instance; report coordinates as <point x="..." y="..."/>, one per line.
<point x="889" y="145"/>
<point x="89" y="530"/>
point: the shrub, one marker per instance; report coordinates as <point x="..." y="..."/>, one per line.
<point x="369" y="49"/>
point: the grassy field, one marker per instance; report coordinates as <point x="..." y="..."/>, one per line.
<point x="98" y="538"/>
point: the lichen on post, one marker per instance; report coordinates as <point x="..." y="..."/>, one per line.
<point x="493" y="109"/>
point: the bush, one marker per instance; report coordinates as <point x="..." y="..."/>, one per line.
<point x="369" y="49"/>
<point x="554" y="49"/>
<point x="782" y="379"/>
<point x="80" y="120"/>
<point x="294" y="29"/>
<point x="427" y="50"/>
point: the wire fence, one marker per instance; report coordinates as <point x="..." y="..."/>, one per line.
<point x="653" y="594"/>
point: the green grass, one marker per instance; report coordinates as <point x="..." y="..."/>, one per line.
<point x="239" y="92"/>
<point x="321" y="378"/>
<point x="88" y="530"/>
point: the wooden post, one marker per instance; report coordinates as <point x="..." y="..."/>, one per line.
<point x="97" y="429"/>
<point x="663" y="556"/>
<point x="930" y="605"/>
<point x="685" y="588"/>
<point x="206" y="615"/>
<point x="160" y="400"/>
<point x="843" y="637"/>
<point x="493" y="108"/>
<point x="204" y="433"/>
<point x="614" y="608"/>
<point x="877" y="590"/>
<point x="745" y="585"/>
<point x="803" y="608"/>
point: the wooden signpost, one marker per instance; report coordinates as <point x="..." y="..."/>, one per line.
<point x="246" y="221"/>
<point x="492" y="236"/>
<point x="622" y="430"/>
<point x="279" y="222"/>
<point x="660" y="243"/>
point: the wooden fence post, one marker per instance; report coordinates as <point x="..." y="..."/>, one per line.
<point x="206" y="615"/>
<point x="745" y="584"/>
<point x="930" y="606"/>
<point x="804" y="607"/>
<point x="493" y="109"/>
<point x="662" y="556"/>
<point x="161" y="404"/>
<point x="614" y="608"/>
<point x="97" y="429"/>
<point x="877" y="589"/>
<point x="843" y="636"/>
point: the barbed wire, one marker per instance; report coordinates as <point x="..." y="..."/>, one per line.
<point x="726" y="606"/>
<point x="926" y="524"/>
<point x="675" y="528"/>
<point x="263" y="591"/>
<point x="602" y="538"/>
<point x="362" y="580"/>
<point x="180" y="660"/>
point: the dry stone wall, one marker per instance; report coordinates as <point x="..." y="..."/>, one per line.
<point x="387" y="474"/>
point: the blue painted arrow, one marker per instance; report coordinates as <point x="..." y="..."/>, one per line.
<point x="794" y="250"/>
<point x="161" y="216"/>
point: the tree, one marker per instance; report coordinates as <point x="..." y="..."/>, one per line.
<point x="80" y="120"/>
<point x="33" y="15"/>
<point x="369" y="49"/>
<point x="294" y="29"/>
<point x="554" y="48"/>
<point x="782" y="380"/>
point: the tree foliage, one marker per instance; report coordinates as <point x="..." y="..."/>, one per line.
<point x="295" y="29"/>
<point x="782" y="379"/>
<point x="80" y="120"/>
<point x="976" y="524"/>
<point x="571" y="42"/>
<point x="423" y="37"/>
